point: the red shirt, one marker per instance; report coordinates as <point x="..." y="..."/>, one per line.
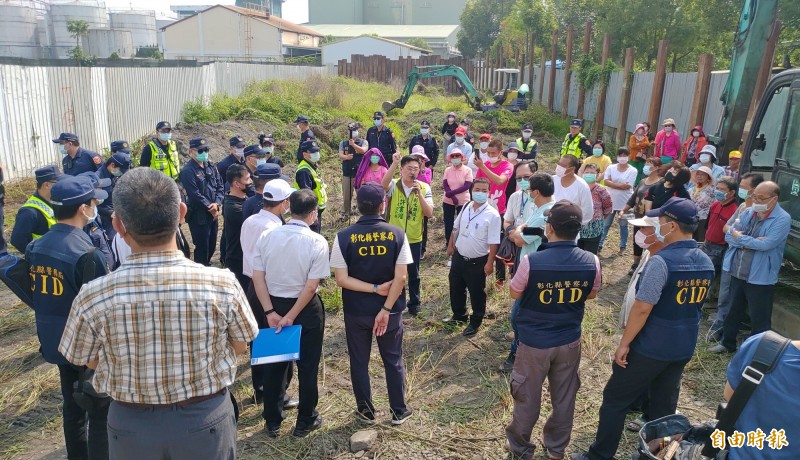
<point x="718" y="216"/>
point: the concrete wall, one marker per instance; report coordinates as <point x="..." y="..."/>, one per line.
<point x="367" y="46"/>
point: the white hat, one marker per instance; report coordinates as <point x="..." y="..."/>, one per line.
<point x="707" y="170"/>
<point x="644" y="222"/>
<point x="277" y="190"/>
<point x="708" y="148"/>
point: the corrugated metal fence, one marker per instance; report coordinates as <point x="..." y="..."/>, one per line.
<point x="101" y="104"/>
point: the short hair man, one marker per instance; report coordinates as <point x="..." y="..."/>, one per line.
<point x="263" y="174"/>
<point x="575" y="143"/>
<point x="370" y="260"/>
<point x="527" y="144"/>
<point x="35" y="216"/>
<point x="553" y="284"/>
<point x="351" y="152"/>
<point x="204" y="191"/>
<point x="235" y="157"/>
<point x="76" y="158"/>
<point x="161" y="153"/>
<point x="307" y="176"/>
<point x="61" y="262"/>
<point x="571" y="187"/>
<point x="94" y="228"/>
<point x="661" y="333"/>
<point x="381" y="137"/>
<point x="169" y="380"/>
<point x="428" y="143"/>
<point x="239" y="181"/>
<point x="287" y="269"/>
<point x="117" y="164"/>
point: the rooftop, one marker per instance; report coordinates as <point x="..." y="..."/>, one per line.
<point x="281" y="24"/>
<point x="394" y="42"/>
<point x="384" y="30"/>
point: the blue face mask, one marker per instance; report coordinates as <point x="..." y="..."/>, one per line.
<point x="743" y="194"/>
<point x="62" y="149"/>
<point x="377" y="122"/>
<point x="374" y="159"/>
<point x="523" y="184"/>
<point x="202" y="157"/>
<point x="165" y="136"/>
<point x="646" y="170"/>
<point x="261" y="161"/>
<point x="423" y="131"/>
<point x="659" y="236"/>
<point x="480" y="197"/>
<point x="597" y="152"/>
<point x="720" y="196"/>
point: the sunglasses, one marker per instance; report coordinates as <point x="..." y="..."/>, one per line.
<point x="377" y="118"/>
<point x="202" y="150"/>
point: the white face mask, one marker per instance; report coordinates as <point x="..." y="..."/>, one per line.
<point x="239" y="153"/>
<point x="494" y="160"/>
<point x="354" y="134"/>
<point x="561" y="171"/>
<point x="484" y="145"/>
<point x="695" y="134"/>
<point x="459" y="139"/>
<point x="315" y="157"/>
<point x="526" y="134"/>
<point x="705" y="158"/>
<point x="512" y="155"/>
<point x="640" y="238"/>
<point x="622" y="160"/>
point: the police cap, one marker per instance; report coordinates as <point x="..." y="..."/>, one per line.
<point x="96" y="181"/>
<point x="425" y="124"/>
<point x="237" y="141"/>
<point x="75" y="190"/>
<point x="576" y="122"/>
<point x="163" y="125"/>
<point x="198" y="142"/>
<point x="120" y="146"/>
<point x="47" y="174"/>
<point x="268" y="171"/>
<point x="310" y="146"/>
<point x="254" y="149"/>
<point x="65" y="137"/>
<point x="527" y="127"/>
<point x="377" y="115"/>
<point x="123" y="160"/>
<point x="301" y="119"/>
<point x="681" y="209"/>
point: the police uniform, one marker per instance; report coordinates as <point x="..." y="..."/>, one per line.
<point x="576" y="145"/>
<point x="95" y="228"/>
<point x="383" y="139"/>
<point x="429" y="144"/>
<point x="528" y="148"/>
<point x="57" y="261"/>
<point x="254" y="204"/>
<point x="306" y="176"/>
<point x="35" y="216"/>
<point x="203" y="186"/>
<point x="120" y="157"/>
<point x="370" y="250"/>
<point x="225" y="163"/>
<point x="83" y="161"/>
<point x="305" y="136"/>
<point x="162" y="154"/>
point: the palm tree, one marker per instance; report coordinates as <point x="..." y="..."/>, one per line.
<point x="77" y="29"/>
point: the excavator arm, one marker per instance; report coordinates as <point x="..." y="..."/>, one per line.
<point x="432" y="71"/>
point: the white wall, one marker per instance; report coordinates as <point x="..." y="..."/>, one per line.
<point x="367" y="46"/>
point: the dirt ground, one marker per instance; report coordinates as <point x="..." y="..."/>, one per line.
<point x="460" y="397"/>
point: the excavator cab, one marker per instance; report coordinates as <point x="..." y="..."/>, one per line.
<point x="511" y="97"/>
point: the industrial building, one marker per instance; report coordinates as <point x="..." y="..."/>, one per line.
<point x="224" y="32"/>
<point x="368" y="45"/>
<point x="441" y="38"/>
<point x="396" y="12"/>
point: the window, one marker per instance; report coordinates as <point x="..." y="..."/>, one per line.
<point x="770" y="129"/>
<point x="791" y="152"/>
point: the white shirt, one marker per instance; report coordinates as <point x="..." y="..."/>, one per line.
<point x="476" y="230"/>
<point x="120" y="249"/>
<point x="337" y="259"/>
<point x="252" y="228"/>
<point x="289" y="256"/>
<point x="425" y="188"/>
<point x="619" y="198"/>
<point x="471" y="160"/>
<point x="577" y="193"/>
<point x="515" y="211"/>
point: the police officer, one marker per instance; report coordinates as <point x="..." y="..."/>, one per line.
<point x="268" y="145"/>
<point x="427" y="141"/>
<point x="161" y="153"/>
<point x="76" y="158"/>
<point x="117" y="164"/>
<point x="553" y="285"/>
<point x="575" y="142"/>
<point x="661" y="333"/>
<point x="307" y="177"/>
<point x="527" y="144"/>
<point x="370" y="260"/>
<point x="254" y="156"/>
<point x="305" y="134"/>
<point x="35" y="216"/>
<point x="236" y="156"/>
<point x="94" y="228"/>
<point x="205" y="192"/>
<point x="380" y="136"/>
<point x="59" y="268"/>
<point x="263" y="174"/>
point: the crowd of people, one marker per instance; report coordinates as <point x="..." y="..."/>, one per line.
<point x="121" y="310"/>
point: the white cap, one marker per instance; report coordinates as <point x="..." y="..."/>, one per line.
<point x="644" y="222"/>
<point x="277" y="190"/>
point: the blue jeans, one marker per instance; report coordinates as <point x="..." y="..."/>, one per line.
<point x="623" y="230"/>
<point x="513" y="320"/>
<point x="723" y="300"/>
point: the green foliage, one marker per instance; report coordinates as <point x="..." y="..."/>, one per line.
<point x="327" y="39"/>
<point x="114" y="56"/>
<point x="77" y="29"/>
<point x="304" y="60"/>
<point x="480" y="25"/>
<point x="419" y="42"/>
<point x="81" y="58"/>
<point x="149" y="52"/>
<point x="590" y="73"/>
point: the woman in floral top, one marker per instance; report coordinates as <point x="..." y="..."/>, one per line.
<point x="703" y="196"/>
<point x="601" y="203"/>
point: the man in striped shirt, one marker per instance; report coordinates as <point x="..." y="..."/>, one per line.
<point x="162" y="333"/>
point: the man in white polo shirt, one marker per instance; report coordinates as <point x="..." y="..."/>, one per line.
<point x="473" y="245"/>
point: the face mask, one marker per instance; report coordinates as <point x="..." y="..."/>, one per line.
<point x="526" y="135"/>
<point x="512" y="155"/>
<point x="377" y="122"/>
<point x="354" y="134"/>
<point x="250" y="189"/>
<point x="423" y="131"/>
<point x="743" y="194"/>
<point x="261" y="161"/>
<point x="561" y="171"/>
<point x="705" y="158"/>
<point x="92" y="217"/>
<point x="239" y="153"/>
<point x="269" y="150"/>
<point x="669" y="177"/>
<point x="165" y="136"/>
<point x="760" y="207"/>
<point x="597" y="152"/>
<point x="116" y="172"/>
<point x="720" y="196"/>
<point x="640" y="238"/>
<point x="484" y="145"/>
<point x="374" y="159"/>
<point x="646" y="170"/>
<point x="456" y="161"/>
<point x="494" y="160"/>
<point x="622" y="160"/>
<point x="480" y="197"/>
<point x="668" y="129"/>
<point x="202" y="157"/>
<point x="451" y="120"/>
<point x="316" y="156"/>
<point x="62" y="149"/>
<point x="659" y="236"/>
<point x="695" y="134"/>
<point x="590" y="178"/>
<point x="523" y="184"/>
<point x="459" y="139"/>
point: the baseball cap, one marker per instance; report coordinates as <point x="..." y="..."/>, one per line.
<point x="48" y="173"/>
<point x="236" y="141"/>
<point x="123" y="160"/>
<point x="65" y="137"/>
<point x="486" y="136"/>
<point x="644" y="222"/>
<point x="708" y="148"/>
<point x="565" y="215"/>
<point x="681" y="209"/>
<point x="198" y="142"/>
<point x="370" y="193"/>
<point x="96" y="181"/>
<point x="301" y="119"/>
<point x="268" y="171"/>
<point x="121" y="146"/>
<point x="277" y="190"/>
<point x="163" y="125"/>
<point x="75" y="190"/>
<point x="461" y="130"/>
<point x="527" y="127"/>
<point x="310" y="146"/>
<point x="735" y="154"/>
<point x="254" y="149"/>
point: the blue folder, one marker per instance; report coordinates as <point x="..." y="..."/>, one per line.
<point x="269" y="347"/>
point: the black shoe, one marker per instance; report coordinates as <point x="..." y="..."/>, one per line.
<point x="399" y="419"/>
<point x="455" y="320"/>
<point x="633" y="269"/>
<point x="304" y="431"/>
<point x="508" y="365"/>
<point x="413" y="311"/>
<point x="272" y="431"/>
<point x="470" y="331"/>
<point x="366" y="416"/>
<point x="289" y="403"/>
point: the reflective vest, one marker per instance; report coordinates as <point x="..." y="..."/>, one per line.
<point x="319" y="184"/>
<point x="526" y="150"/>
<point x="160" y="161"/>
<point x="572" y="147"/>
<point x="406" y="212"/>
<point x="44" y="208"/>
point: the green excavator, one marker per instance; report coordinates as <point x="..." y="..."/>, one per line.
<point x="509" y="98"/>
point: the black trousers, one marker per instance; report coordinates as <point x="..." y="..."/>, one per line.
<point x="257" y="372"/>
<point x="590" y="244"/>
<point x="468" y="275"/>
<point x="745" y="297"/>
<point x="317" y="227"/>
<point x="661" y="381"/>
<point x="204" y="237"/>
<point x="358" y="330"/>
<point x="312" y="318"/>
<point x="499" y="265"/>
<point x="85" y="433"/>
<point x="449" y="212"/>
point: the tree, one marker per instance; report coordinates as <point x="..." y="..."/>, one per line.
<point x="480" y="25"/>
<point x="77" y="28"/>
<point x="419" y="42"/>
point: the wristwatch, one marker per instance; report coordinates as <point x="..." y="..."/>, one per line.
<point x="386" y="309"/>
<point x="375" y="288"/>
<point x="266" y="313"/>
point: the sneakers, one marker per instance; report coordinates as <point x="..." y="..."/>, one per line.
<point x="633" y="269"/>
<point x="399" y="419"/>
<point x="508" y="364"/>
<point x="714" y="335"/>
<point x="470" y="331"/>
<point x="302" y="432"/>
<point x="720" y="348"/>
<point x="365" y="416"/>
<point x="272" y="431"/>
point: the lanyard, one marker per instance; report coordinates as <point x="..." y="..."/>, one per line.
<point x="470" y="219"/>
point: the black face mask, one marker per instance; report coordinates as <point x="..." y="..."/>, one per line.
<point x="250" y="189"/>
<point x="669" y="177"/>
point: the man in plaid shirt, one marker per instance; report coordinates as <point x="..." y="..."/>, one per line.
<point x="162" y="333"/>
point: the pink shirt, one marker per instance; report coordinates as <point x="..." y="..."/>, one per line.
<point x="457" y="177"/>
<point x="425" y="175"/>
<point x="497" y="192"/>
<point x="374" y="176"/>
<point x="669" y="146"/>
<point x="520" y="280"/>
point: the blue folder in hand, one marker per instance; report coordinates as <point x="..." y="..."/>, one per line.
<point x="269" y="347"/>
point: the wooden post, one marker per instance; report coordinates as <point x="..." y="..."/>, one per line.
<point x="520" y="56"/>
<point x="700" y="98"/>
<point x="531" y="61"/>
<point x="587" y="43"/>
<point x="658" y="84"/>
<point x="763" y="78"/>
<point x="600" y="119"/>
<point x="541" y="75"/>
<point x="567" y="72"/>
<point x="551" y="94"/>
<point x="625" y="101"/>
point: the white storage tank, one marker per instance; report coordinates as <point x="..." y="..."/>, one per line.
<point x="93" y="13"/>
<point x="101" y="43"/>
<point x="18" y="31"/>
<point x="140" y="23"/>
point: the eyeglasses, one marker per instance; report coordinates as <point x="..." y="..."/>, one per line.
<point x="762" y="198"/>
<point x="202" y="150"/>
<point x="525" y="178"/>
<point x="377" y="118"/>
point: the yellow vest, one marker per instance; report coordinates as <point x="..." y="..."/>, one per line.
<point x="531" y="145"/>
<point x="319" y="184"/>
<point x="406" y="212"/>
<point x="160" y="161"/>
<point x="42" y="206"/>
<point x="571" y="148"/>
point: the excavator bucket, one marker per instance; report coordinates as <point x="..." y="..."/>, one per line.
<point x="388" y="106"/>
